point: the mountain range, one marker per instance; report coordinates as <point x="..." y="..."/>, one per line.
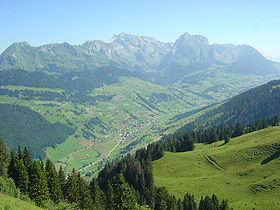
<point x="159" y="61"/>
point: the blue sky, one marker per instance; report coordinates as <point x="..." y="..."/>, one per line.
<point x="252" y="22"/>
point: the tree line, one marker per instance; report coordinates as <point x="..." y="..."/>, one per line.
<point x="126" y="184"/>
<point x="183" y="141"/>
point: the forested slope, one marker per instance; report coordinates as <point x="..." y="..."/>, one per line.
<point x="22" y="126"/>
<point x="262" y="102"/>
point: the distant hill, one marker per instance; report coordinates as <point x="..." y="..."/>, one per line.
<point x="244" y="171"/>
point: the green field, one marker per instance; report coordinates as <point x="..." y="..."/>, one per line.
<point x="8" y="202"/>
<point x="245" y="171"/>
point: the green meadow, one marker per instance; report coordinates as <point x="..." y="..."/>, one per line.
<point x="245" y="171"/>
<point x="9" y="202"/>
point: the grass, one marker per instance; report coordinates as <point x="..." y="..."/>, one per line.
<point x="245" y="171"/>
<point x="8" y="202"/>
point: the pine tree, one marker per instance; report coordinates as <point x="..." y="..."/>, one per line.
<point x="162" y="198"/>
<point x="72" y="188"/>
<point x="19" y="153"/>
<point x="180" y="205"/>
<point x="215" y="202"/>
<point x="97" y="195"/>
<point x="4" y="159"/>
<point x="109" y="196"/>
<point x="201" y="204"/>
<point x="224" y="205"/>
<point x="173" y="149"/>
<point x="62" y="180"/>
<point x="226" y="140"/>
<point x="274" y="120"/>
<point x="53" y="182"/>
<point x="13" y="167"/>
<point x="22" y="177"/>
<point x="206" y="204"/>
<point x="189" y="202"/>
<point x="85" y="201"/>
<point x="27" y="160"/>
<point x="38" y="187"/>
<point x="124" y="197"/>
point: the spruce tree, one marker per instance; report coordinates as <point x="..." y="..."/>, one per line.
<point x="62" y="180"/>
<point x="38" y="187"/>
<point x="97" y="195"/>
<point x="27" y="160"/>
<point x="19" y="153"/>
<point x="109" y="196"/>
<point x="207" y="204"/>
<point x="201" y="204"/>
<point x="180" y="205"/>
<point x="226" y="140"/>
<point x="124" y="197"/>
<point x="85" y="201"/>
<point x="224" y="205"/>
<point x="189" y="202"/>
<point x="215" y="202"/>
<point x="72" y="188"/>
<point x="22" y="177"/>
<point x="4" y="159"/>
<point x="13" y="167"/>
<point x="53" y="182"/>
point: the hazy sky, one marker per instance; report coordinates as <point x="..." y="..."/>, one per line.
<point x="252" y="22"/>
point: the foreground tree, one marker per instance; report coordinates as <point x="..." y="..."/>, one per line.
<point x="53" y="182"/>
<point x="22" y="177"/>
<point x="27" y="160"/>
<point x="4" y="159"/>
<point x="85" y="201"/>
<point x="38" y="187"/>
<point x="189" y="202"/>
<point x="62" y="180"/>
<point x="109" y="196"/>
<point x="13" y="167"/>
<point x="123" y="197"/>
<point x="71" y="187"/>
<point x="97" y="195"/>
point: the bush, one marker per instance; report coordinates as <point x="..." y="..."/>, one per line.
<point x="8" y="187"/>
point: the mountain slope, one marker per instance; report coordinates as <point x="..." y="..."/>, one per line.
<point x="21" y="126"/>
<point x="262" y="102"/>
<point x="244" y="171"/>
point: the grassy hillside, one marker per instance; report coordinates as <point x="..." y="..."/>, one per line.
<point x="245" y="171"/>
<point x="8" y="202"/>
